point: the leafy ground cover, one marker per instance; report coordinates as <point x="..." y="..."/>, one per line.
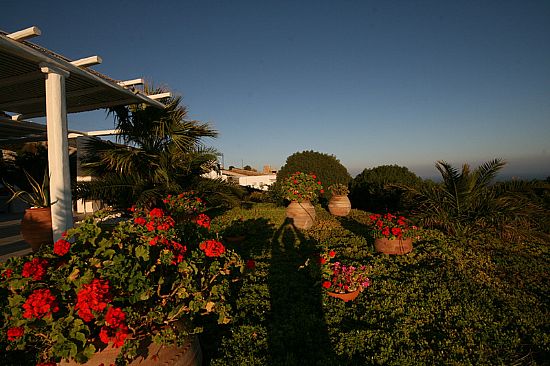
<point x="477" y="301"/>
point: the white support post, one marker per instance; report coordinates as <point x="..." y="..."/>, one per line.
<point x="58" y="149"/>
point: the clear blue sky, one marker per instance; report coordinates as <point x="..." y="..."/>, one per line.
<point x="372" y="82"/>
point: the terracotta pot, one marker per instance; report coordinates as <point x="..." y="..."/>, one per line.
<point x="302" y="214"/>
<point x="339" y="205"/>
<point x="189" y="354"/>
<point x="36" y="227"/>
<point x="349" y="296"/>
<point x="393" y="246"/>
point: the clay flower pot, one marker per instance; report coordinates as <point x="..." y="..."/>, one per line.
<point x="36" y="227"/>
<point x="348" y="296"/>
<point x="189" y="354"/>
<point x="302" y="214"/>
<point x="339" y="205"/>
<point x="393" y="246"/>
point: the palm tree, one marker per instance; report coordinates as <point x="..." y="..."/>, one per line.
<point x="468" y="202"/>
<point x="161" y="152"/>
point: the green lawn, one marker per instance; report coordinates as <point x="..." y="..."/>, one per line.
<point x="448" y="302"/>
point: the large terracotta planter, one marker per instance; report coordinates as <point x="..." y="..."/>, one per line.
<point x="349" y="296"/>
<point x="189" y="354"/>
<point x="36" y="227"/>
<point x="339" y="205"/>
<point x="393" y="246"/>
<point x="302" y="214"/>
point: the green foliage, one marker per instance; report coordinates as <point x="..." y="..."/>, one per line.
<point x="449" y="302"/>
<point x="468" y="202"/>
<point x="374" y="188"/>
<point x="163" y="277"/>
<point x="328" y="169"/>
<point x="163" y="153"/>
<point x="37" y="196"/>
<point x="301" y="187"/>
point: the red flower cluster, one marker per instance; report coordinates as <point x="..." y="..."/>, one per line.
<point x="49" y="363"/>
<point x="212" y="248"/>
<point x="61" y="247"/>
<point x="92" y="297"/>
<point x="177" y="249"/>
<point x="7" y="273"/>
<point x="115" y="329"/>
<point x="250" y="264"/>
<point x="387" y="226"/>
<point x="156" y="220"/>
<point x="41" y="303"/>
<point x="203" y="221"/>
<point x="36" y="269"/>
<point x="14" y="333"/>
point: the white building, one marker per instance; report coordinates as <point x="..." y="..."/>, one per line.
<point x="245" y="178"/>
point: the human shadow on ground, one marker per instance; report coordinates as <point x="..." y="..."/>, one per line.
<point x="297" y="332"/>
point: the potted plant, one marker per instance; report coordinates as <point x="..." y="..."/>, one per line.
<point x="339" y="203"/>
<point x="393" y="234"/>
<point x="36" y="225"/>
<point x="136" y="292"/>
<point x="342" y="281"/>
<point x="300" y="189"/>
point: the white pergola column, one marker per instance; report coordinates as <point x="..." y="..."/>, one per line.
<point x="58" y="149"/>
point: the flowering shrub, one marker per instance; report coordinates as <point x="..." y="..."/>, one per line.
<point x="341" y="278"/>
<point x="391" y="226"/>
<point x="302" y="187"/>
<point x="338" y="189"/>
<point x="123" y="286"/>
<point x="186" y="203"/>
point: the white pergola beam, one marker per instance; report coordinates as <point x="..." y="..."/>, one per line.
<point x="160" y="96"/>
<point x="87" y="61"/>
<point x="94" y="133"/>
<point x="132" y="82"/>
<point x="25" y="34"/>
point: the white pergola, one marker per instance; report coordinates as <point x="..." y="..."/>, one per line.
<point x="36" y="82"/>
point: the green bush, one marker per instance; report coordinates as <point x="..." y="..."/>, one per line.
<point x="372" y="189"/>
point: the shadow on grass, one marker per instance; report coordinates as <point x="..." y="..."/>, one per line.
<point x="297" y="332"/>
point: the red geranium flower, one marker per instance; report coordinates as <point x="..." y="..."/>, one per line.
<point x="326" y="284"/>
<point x="212" y="248"/>
<point x="36" y="269"/>
<point x="203" y="220"/>
<point x="7" y="273"/>
<point x="40" y="303"/>
<point x="140" y="221"/>
<point x="14" y="333"/>
<point x="61" y="247"/>
<point x="250" y="264"/>
<point x="92" y="297"/>
<point x="156" y="212"/>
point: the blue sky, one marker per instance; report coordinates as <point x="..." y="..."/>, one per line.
<point x="372" y="82"/>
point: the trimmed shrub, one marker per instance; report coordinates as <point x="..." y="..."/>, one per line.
<point x="371" y="190"/>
